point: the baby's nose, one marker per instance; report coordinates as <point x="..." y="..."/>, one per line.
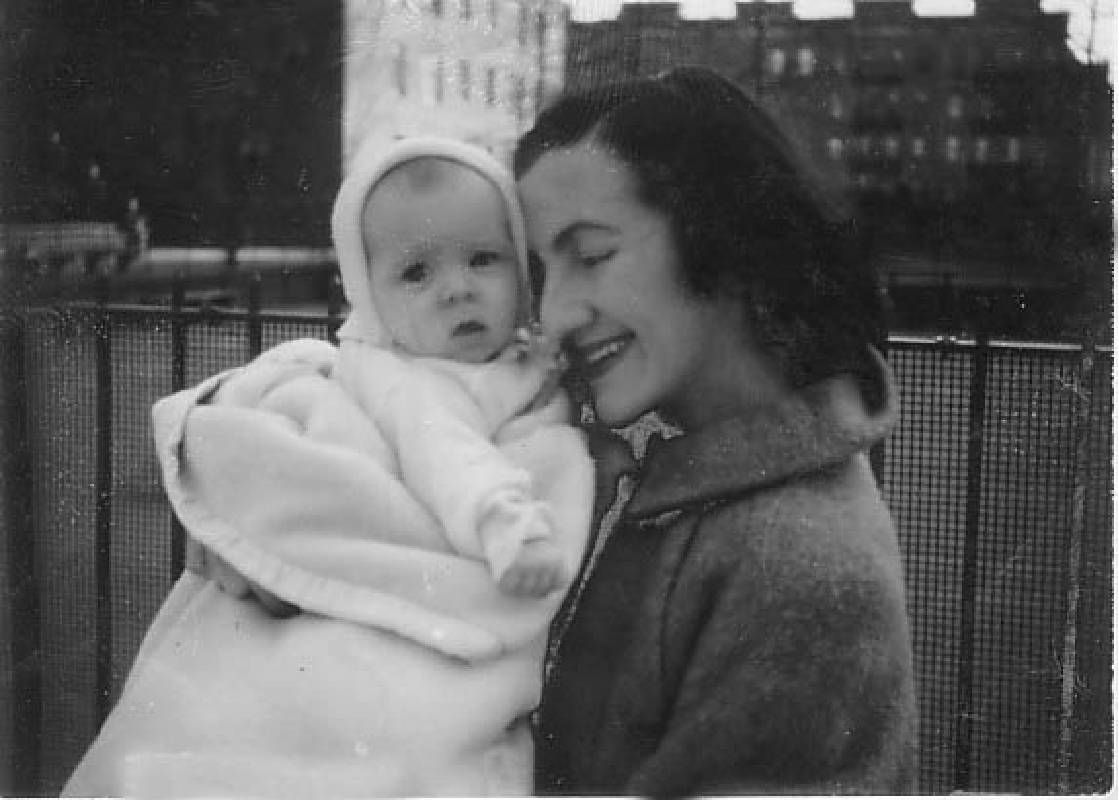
<point x="457" y="284"/>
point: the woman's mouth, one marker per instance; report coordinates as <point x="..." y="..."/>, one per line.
<point x="597" y="359"/>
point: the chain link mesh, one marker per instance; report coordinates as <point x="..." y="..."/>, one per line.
<point x="1024" y="472"/>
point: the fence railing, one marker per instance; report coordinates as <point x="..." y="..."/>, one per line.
<point x="999" y="476"/>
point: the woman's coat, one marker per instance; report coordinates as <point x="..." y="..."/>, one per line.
<point x="744" y="629"/>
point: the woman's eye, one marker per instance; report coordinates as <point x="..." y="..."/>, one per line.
<point x="483" y="258"/>
<point x="414" y="273"/>
<point x="594" y="259"/>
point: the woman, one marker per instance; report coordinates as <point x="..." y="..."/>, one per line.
<point x="744" y="627"/>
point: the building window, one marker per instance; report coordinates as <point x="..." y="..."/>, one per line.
<point x="982" y="150"/>
<point x="522" y="25"/>
<point x="894" y="97"/>
<point x="864" y="145"/>
<point x="918" y="147"/>
<point x="400" y="68"/>
<point x="893" y="147"/>
<point x="835" y="149"/>
<point x="437" y="8"/>
<point x="955" y="106"/>
<point x="464" y="10"/>
<point x="519" y="97"/>
<point x="438" y="81"/>
<point x="1013" y="149"/>
<point x="426" y="80"/>
<point x="924" y="59"/>
<point x="806" y="61"/>
<point x="775" y="61"/>
<point x="952" y="149"/>
<point x="835" y="105"/>
<point x="464" y="78"/>
<point x="491" y="12"/>
<point x="986" y="107"/>
<point x="491" y="86"/>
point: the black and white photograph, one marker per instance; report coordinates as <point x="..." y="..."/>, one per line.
<point x="502" y="398"/>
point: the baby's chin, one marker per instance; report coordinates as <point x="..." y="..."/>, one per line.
<point x="471" y="353"/>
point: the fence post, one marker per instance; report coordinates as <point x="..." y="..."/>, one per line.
<point x="948" y="303"/>
<point x="20" y="736"/>
<point x="877" y="453"/>
<point x="103" y="518"/>
<point x="178" y="334"/>
<point x="255" y="324"/>
<point x="178" y="381"/>
<point x="965" y="668"/>
<point x="333" y="306"/>
<point x="1082" y="400"/>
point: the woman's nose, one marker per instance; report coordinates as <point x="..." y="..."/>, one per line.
<point x="562" y="309"/>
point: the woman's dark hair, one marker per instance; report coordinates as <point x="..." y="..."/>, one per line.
<point x="746" y="216"/>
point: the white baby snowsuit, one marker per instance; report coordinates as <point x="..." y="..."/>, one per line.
<point x="410" y="672"/>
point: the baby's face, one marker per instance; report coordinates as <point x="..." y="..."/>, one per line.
<point x="443" y="267"/>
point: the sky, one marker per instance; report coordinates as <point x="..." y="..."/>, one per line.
<point x="1103" y="43"/>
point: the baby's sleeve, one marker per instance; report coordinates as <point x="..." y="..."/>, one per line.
<point x="505" y="388"/>
<point x="442" y="435"/>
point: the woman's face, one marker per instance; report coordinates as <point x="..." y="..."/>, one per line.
<point x="613" y="293"/>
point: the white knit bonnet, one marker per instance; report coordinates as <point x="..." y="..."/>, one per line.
<point x="371" y="164"/>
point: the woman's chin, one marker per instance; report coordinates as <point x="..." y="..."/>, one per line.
<point x="617" y="412"/>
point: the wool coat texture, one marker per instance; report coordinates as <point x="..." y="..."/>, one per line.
<point x="743" y="629"/>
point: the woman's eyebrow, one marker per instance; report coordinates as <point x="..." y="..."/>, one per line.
<point x="564" y="237"/>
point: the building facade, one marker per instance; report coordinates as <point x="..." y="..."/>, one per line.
<point x="477" y="70"/>
<point x="910" y="115"/>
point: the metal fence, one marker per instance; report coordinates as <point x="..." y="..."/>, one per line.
<point x="999" y="477"/>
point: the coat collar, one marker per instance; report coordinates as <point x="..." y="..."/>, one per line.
<point x="822" y="425"/>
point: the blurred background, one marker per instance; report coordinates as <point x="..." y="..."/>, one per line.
<point x="973" y="140"/>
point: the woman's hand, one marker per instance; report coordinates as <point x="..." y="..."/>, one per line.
<point x="208" y="564"/>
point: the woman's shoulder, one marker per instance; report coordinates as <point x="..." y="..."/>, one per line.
<point x="811" y="442"/>
<point x="829" y="520"/>
<point x="808" y="551"/>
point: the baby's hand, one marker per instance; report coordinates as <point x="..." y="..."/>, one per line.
<point x="536" y="571"/>
<point x="530" y="344"/>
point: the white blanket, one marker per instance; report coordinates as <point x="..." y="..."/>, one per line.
<point x="410" y="674"/>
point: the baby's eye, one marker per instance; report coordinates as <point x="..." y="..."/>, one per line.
<point x="484" y="258"/>
<point x="415" y="272"/>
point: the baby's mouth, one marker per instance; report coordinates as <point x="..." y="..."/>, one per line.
<point x="471" y="327"/>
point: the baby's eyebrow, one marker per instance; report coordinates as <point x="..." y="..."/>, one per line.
<point x="491" y="244"/>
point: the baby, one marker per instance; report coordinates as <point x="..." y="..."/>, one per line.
<point x="417" y="491"/>
<point x="432" y="254"/>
